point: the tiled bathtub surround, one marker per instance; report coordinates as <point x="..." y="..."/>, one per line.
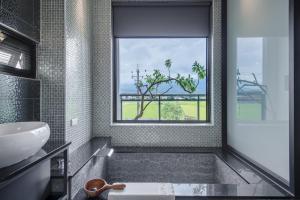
<point x="95" y="168"/>
<point x="19" y="99"/>
<point x="225" y="184"/>
<point x="192" y="136"/>
<point x="170" y="167"/>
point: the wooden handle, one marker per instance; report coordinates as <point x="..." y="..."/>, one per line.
<point x="116" y="186"/>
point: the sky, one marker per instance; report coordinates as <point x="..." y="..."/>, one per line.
<point x="250" y="57"/>
<point x="150" y="54"/>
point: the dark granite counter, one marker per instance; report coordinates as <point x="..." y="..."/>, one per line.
<point x="84" y="153"/>
<point x="85" y="162"/>
<point x="79" y="157"/>
<point x="48" y="151"/>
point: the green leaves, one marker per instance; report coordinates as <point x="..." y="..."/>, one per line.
<point x="188" y="84"/>
<point x="154" y="80"/>
<point x="199" y="70"/>
<point x="172" y="111"/>
<point x="168" y="63"/>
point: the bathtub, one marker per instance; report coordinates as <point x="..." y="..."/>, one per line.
<point x="176" y="168"/>
<point x="193" y="172"/>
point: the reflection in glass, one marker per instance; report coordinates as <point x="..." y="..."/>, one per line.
<point x="4" y="57"/>
<point x="15" y="54"/>
<point x="258" y="86"/>
<point x="251" y="93"/>
<point x="20" y="62"/>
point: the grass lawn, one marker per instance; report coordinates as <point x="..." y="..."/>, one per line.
<point x="249" y="111"/>
<point x="245" y="111"/>
<point x="151" y="113"/>
<point x="130" y="111"/>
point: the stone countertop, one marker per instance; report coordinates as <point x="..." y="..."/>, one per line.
<point x="47" y="152"/>
<point x="79" y="157"/>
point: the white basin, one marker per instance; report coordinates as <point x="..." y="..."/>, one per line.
<point x="21" y="140"/>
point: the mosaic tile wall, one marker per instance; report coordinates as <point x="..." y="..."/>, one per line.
<point x="51" y="67"/>
<point x="19" y="99"/>
<point x="205" y="136"/>
<point x="64" y="67"/>
<point x="78" y="71"/>
<point x="22" y="16"/>
<point x="161" y="167"/>
<point x="170" y="168"/>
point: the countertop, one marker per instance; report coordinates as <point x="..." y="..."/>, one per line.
<point x="48" y="151"/>
<point x="79" y="157"/>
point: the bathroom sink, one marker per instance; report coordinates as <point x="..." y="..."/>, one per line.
<point x="21" y="140"/>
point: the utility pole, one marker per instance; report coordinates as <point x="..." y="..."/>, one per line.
<point x="137" y="77"/>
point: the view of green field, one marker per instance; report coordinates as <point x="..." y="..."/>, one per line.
<point x="249" y="111"/>
<point x="189" y="109"/>
<point x="245" y="111"/>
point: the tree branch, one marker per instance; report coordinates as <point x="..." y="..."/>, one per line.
<point x="188" y="84"/>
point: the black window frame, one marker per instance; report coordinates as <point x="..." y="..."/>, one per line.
<point x="5" y="69"/>
<point x="208" y="82"/>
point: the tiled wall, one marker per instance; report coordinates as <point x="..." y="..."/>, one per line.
<point x="64" y="67"/>
<point x="51" y="67"/>
<point x="147" y="135"/>
<point x="170" y="167"/>
<point x="22" y="16"/>
<point x="78" y="71"/>
<point x="19" y="99"/>
<point x="161" y="167"/>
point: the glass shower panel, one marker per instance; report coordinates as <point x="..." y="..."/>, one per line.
<point x="258" y="89"/>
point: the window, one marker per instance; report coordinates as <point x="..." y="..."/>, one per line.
<point x="161" y="63"/>
<point x="16" y="56"/>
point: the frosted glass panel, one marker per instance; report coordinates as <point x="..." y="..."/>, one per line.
<point x="258" y="89"/>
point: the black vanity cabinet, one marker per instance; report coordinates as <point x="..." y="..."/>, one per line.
<point x="21" y="16"/>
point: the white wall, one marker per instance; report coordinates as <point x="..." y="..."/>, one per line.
<point x="266" y="141"/>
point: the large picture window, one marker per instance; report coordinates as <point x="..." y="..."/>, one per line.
<point x="161" y="70"/>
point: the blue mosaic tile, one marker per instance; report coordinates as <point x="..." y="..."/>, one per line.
<point x="19" y="99"/>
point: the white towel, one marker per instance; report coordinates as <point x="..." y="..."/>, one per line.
<point x="144" y="191"/>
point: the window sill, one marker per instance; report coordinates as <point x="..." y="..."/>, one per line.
<point x="120" y="124"/>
